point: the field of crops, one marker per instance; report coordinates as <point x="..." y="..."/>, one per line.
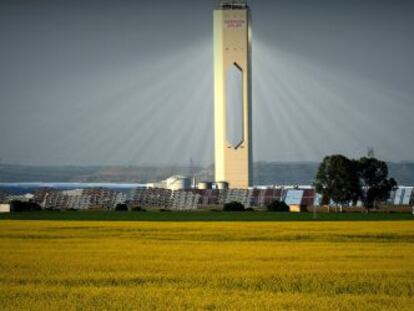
<point x="68" y="265"/>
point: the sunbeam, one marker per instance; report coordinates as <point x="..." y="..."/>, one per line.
<point x="322" y="111"/>
<point x="139" y="91"/>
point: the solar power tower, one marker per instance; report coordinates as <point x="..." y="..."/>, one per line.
<point x="232" y="93"/>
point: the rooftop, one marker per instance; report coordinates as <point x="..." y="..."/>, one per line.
<point x="232" y="4"/>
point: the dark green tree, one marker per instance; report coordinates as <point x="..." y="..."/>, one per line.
<point x="20" y="206"/>
<point x="374" y="181"/>
<point x="233" y="207"/>
<point x="277" y="206"/>
<point x="337" y="180"/>
<point x="121" y="207"/>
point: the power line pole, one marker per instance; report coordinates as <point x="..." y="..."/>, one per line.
<point x="192" y="174"/>
<point x="371" y="152"/>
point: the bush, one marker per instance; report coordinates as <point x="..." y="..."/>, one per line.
<point x="277" y="206"/>
<point x="121" y="208"/>
<point x="138" y="209"/>
<point x="19" y="206"/>
<point x="233" y="207"/>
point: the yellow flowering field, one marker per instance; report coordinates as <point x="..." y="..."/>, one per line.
<point x="81" y="265"/>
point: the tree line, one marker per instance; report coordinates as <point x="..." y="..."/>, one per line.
<point x="346" y="181"/>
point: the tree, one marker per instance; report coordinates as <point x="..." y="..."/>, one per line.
<point x="20" y="206"/>
<point x="277" y="206"/>
<point x="233" y="207"/>
<point x="337" y="180"/>
<point x="374" y="181"/>
<point x="121" y="207"/>
<point x="137" y="209"/>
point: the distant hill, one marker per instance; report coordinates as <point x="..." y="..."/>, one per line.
<point x="283" y="173"/>
<point x="265" y="173"/>
<point x="121" y="174"/>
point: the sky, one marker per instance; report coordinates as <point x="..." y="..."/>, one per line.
<point x="131" y="82"/>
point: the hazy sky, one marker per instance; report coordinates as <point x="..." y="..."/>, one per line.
<point x="130" y="82"/>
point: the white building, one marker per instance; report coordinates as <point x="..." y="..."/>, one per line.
<point x="4" y="208"/>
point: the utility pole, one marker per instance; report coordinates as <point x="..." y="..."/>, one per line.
<point x="192" y="174"/>
<point x="371" y="152"/>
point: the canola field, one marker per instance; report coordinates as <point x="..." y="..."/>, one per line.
<point x="85" y="265"/>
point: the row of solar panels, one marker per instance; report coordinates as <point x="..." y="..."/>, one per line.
<point x="402" y="196"/>
<point x="304" y="197"/>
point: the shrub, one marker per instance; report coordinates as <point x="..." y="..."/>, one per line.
<point x="233" y="207"/>
<point x="277" y="206"/>
<point x="121" y="208"/>
<point x="20" y="206"/>
<point x="138" y="209"/>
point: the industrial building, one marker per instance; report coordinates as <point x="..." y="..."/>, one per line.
<point x="176" y="182"/>
<point x="4" y="208"/>
<point x="232" y="93"/>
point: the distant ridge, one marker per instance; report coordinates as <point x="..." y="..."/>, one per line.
<point x="265" y="173"/>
